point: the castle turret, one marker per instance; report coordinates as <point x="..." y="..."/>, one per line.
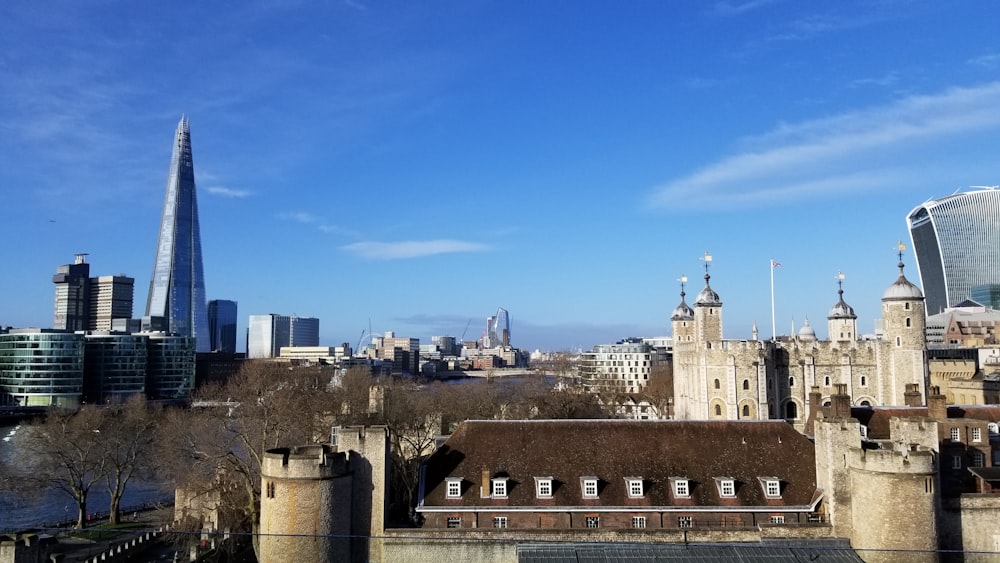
<point x="842" y="322"/>
<point x="682" y="320"/>
<point x="903" y="324"/>
<point x="707" y="312"/>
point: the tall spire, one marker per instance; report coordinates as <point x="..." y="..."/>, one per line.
<point x="177" y="288"/>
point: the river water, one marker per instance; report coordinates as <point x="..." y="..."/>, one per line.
<point x="57" y="507"/>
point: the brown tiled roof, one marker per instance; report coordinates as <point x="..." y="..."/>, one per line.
<point x="612" y="450"/>
<point x="877" y="418"/>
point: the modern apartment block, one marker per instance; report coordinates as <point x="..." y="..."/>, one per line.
<point x="86" y="303"/>
<point x="267" y="334"/>
<point x="956" y="240"/>
<point x="58" y="368"/>
<point x="177" y="287"/>
<point x="222" y="325"/>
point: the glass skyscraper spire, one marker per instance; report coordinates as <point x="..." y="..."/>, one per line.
<point x="956" y="240"/>
<point x="177" y="288"/>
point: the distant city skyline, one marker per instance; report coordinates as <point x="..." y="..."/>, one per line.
<point x="410" y="168"/>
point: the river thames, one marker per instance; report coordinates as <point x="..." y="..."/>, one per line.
<point x="17" y="512"/>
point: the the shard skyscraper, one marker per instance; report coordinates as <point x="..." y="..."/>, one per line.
<point x="177" y="290"/>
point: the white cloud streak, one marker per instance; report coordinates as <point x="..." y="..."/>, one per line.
<point x="854" y="151"/>
<point x="373" y="250"/>
<point x="227" y="192"/>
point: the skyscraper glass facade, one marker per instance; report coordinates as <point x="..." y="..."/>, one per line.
<point x="956" y="241"/>
<point x="177" y="288"/>
<point x="115" y="367"/>
<point x="222" y="325"/>
<point x="41" y="368"/>
<point x="170" y="371"/>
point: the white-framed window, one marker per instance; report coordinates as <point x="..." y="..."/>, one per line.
<point x="977" y="459"/>
<point x="956" y="462"/>
<point x="955" y="435"/>
<point x="772" y="487"/>
<point x="682" y="488"/>
<point x="593" y="521"/>
<point x="454" y="487"/>
<point x="499" y="521"/>
<point x="685" y="521"/>
<point x="638" y="521"/>
<point x="499" y="487"/>
<point x="634" y="486"/>
<point x="778" y="519"/>
<point x="543" y="487"/>
<point x="454" y="522"/>
<point x="727" y="488"/>
<point x="977" y="434"/>
<point x="589" y="487"/>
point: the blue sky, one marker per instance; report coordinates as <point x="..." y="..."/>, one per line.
<point x="415" y="165"/>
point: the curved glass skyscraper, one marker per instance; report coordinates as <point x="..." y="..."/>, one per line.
<point x="177" y="289"/>
<point x="956" y="240"/>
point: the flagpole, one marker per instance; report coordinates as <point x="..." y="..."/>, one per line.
<point x="773" y="331"/>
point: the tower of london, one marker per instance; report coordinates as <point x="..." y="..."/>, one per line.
<point x="718" y="378"/>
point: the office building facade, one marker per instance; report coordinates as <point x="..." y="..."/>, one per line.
<point x="86" y="303"/>
<point x="956" y="240"/>
<point x="222" y="325"/>
<point x="267" y="334"/>
<point x="177" y="288"/>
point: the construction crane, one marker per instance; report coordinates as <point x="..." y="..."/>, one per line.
<point x="467" y="325"/>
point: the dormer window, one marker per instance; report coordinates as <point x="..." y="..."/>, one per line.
<point x="454" y="487"/>
<point x="727" y="487"/>
<point x="543" y="487"/>
<point x="682" y="487"/>
<point x="589" y="485"/>
<point x="634" y="487"/>
<point x="499" y="488"/>
<point x="772" y="487"/>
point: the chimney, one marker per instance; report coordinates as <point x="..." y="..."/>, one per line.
<point x="815" y="399"/>
<point x="911" y="397"/>
<point x="937" y="404"/>
<point x="840" y="402"/>
<point x="485" y="486"/>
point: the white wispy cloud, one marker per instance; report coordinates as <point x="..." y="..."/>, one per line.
<point x="373" y="250"/>
<point x="991" y="60"/>
<point x="226" y="192"/>
<point x="298" y="217"/>
<point x="729" y="9"/>
<point x="848" y="152"/>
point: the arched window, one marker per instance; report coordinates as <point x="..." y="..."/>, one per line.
<point x="826" y="381"/>
<point x="746" y="411"/>
<point x="717" y="385"/>
<point x="746" y="384"/>
<point x="907" y="322"/>
<point x="708" y="345"/>
<point x="907" y="307"/>
<point x="791" y="382"/>
<point x="865" y="404"/>
<point x="718" y="410"/>
<point x="791" y="410"/>
<point x="864" y="381"/>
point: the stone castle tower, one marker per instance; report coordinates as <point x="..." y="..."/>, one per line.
<point x="324" y="502"/>
<point x="715" y="378"/>
<point x="885" y="500"/>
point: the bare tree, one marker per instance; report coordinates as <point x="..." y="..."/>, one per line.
<point x="62" y="452"/>
<point x="127" y="439"/>
<point x="218" y="451"/>
<point x="660" y="389"/>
